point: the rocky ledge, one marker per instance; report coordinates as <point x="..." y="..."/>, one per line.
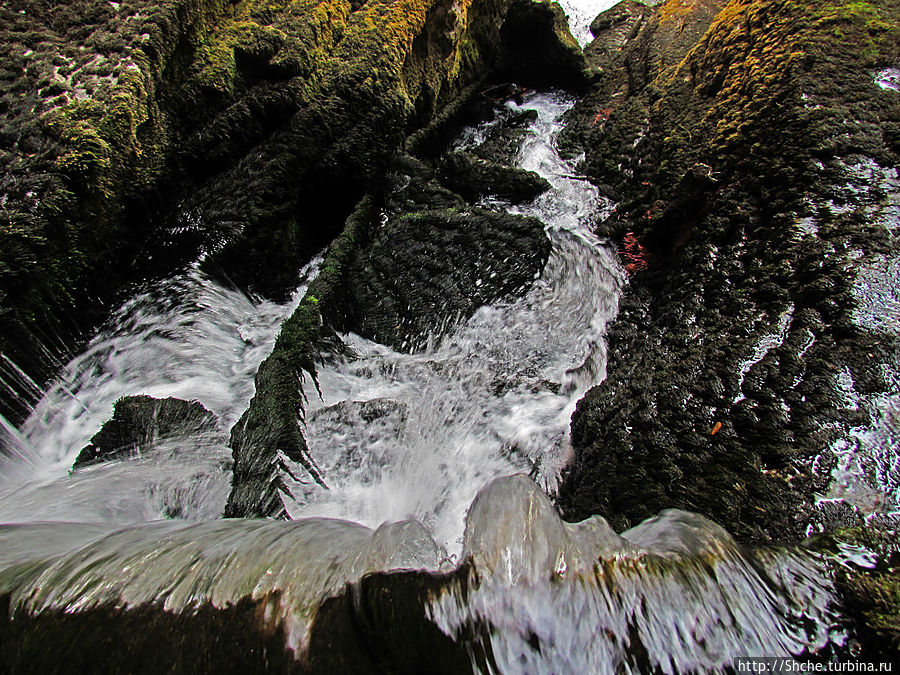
<point x="752" y="150"/>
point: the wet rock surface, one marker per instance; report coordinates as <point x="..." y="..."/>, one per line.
<point x="139" y="422"/>
<point x="473" y="178"/>
<point x="429" y="269"/>
<point x="504" y="141"/>
<point x="751" y="151"/>
<point x="538" y="49"/>
<point x="321" y="595"/>
<point x="867" y="575"/>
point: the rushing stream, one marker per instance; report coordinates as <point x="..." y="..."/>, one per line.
<point x="417" y="451"/>
<point x="415" y="436"/>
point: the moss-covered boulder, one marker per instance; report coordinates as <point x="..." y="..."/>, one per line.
<point x="425" y="271"/>
<point x="474" y="178"/>
<point x="270" y="427"/>
<point x="751" y="148"/>
<point x="140" y="422"/>
<point x="504" y="140"/>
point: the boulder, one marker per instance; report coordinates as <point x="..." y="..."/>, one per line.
<point x="474" y="178"/>
<point x="139" y="422"/>
<point x="538" y="48"/>
<point x="504" y="140"/>
<point x="425" y="271"/>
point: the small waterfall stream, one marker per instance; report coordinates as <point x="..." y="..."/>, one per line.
<point x="417" y="450"/>
<point x="416" y="435"/>
<point x="188" y="337"/>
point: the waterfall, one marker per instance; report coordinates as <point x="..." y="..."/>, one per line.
<point x="401" y="436"/>
<point x="436" y="528"/>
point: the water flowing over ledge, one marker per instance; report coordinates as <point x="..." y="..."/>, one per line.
<point x="531" y="594"/>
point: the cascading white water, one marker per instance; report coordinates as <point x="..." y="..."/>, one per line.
<point x="492" y="398"/>
<point x="415" y="436"/>
<point x="188" y="337"/>
<point x="395" y="435"/>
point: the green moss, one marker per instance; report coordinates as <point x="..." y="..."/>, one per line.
<point x="119" y="108"/>
<point x="270" y="424"/>
<point x="880" y="597"/>
<point x="714" y="151"/>
<point x="870" y="593"/>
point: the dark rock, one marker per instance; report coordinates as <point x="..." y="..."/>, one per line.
<point x="616" y="26"/>
<point x="504" y="140"/>
<point x="137" y="135"/>
<point x="474" y="178"/>
<point x="724" y="359"/>
<point x="140" y="422"/>
<point x="866" y="568"/>
<point x="425" y="271"/>
<point x="537" y="48"/>
<point x="414" y="188"/>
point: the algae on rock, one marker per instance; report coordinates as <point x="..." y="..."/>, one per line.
<point x="729" y="132"/>
<point x="146" y="132"/>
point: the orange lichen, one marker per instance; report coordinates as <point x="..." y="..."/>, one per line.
<point x="602" y="115"/>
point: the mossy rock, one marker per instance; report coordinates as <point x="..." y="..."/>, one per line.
<point x="413" y="187"/>
<point x="866" y="566"/>
<point x="270" y="425"/>
<point x="505" y="139"/>
<point x="141" y="422"/>
<point x="425" y="271"/>
<point x="150" y="132"/>
<point x="474" y="178"/>
<point x="717" y="126"/>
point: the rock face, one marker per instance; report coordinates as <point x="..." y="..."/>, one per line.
<point x="538" y="49"/>
<point x="427" y="269"/>
<point x="752" y="151"/>
<point x="146" y="131"/>
<point x="140" y="421"/>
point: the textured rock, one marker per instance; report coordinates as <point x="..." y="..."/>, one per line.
<point x="144" y="132"/>
<point x="271" y="423"/>
<point x="474" y="178"/>
<point x="504" y="141"/>
<point x="426" y="270"/>
<point x="139" y="422"/>
<point x="751" y="150"/>
<point x="539" y="51"/>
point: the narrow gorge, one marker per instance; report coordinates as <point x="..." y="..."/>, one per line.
<point x="497" y="336"/>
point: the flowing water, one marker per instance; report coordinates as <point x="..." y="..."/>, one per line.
<point x="415" y="436"/>
<point x="417" y="451"/>
<point x="187" y="337"/>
